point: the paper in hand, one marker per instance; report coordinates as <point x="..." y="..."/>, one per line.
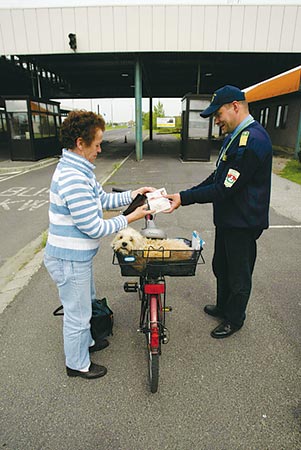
<point x="156" y="202"/>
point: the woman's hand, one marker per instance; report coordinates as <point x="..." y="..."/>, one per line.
<point x="175" y="202"/>
<point x="142" y="191"/>
<point x="139" y="213"/>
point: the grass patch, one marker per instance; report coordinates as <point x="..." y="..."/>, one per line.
<point x="43" y="242"/>
<point x="292" y="171"/>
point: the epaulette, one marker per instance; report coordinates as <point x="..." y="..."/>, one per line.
<point x="244" y="138"/>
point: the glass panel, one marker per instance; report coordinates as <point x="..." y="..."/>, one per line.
<point x="34" y="106"/>
<point x="197" y="126"/>
<point x="3" y="125"/>
<point x="44" y="125"/>
<point x="266" y="117"/>
<point x="56" y="109"/>
<point x="36" y="125"/>
<point x="52" y="131"/>
<point x="284" y="117"/>
<point x="16" y="105"/>
<point x="50" y="107"/>
<point x="57" y="121"/>
<point x="216" y="132"/>
<point x="278" y="116"/>
<point x="200" y="105"/>
<point x="43" y="107"/>
<point x="19" y="125"/>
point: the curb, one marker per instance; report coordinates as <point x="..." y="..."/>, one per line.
<point x="37" y="165"/>
<point x="18" y="270"/>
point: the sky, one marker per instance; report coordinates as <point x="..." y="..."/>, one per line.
<point x="121" y="109"/>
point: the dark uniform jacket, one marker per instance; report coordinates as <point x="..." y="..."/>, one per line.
<point x="240" y="186"/>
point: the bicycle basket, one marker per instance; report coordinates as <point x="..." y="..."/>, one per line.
<point x="162" y="262"/>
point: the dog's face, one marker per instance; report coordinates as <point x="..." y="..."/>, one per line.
<point x="127" y="240"/>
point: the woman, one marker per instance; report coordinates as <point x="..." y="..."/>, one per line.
<point x="76" y="225"/>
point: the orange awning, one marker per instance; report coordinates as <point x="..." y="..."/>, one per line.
<point x="281" y="84"/>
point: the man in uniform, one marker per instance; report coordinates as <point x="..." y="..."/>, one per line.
<point x="239" y="189"/>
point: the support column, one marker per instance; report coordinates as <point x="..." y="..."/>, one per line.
<point x="138" y="110"/>
<point x="150" y="118"/>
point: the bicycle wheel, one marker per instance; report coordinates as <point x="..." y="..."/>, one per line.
<point x="153" y="343"/>
<point x="153" y="372"/>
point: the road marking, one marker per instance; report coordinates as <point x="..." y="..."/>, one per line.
<point x="285" y="226"/>
<point x="11" y="175"/>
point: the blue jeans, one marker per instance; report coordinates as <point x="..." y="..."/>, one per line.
<point x="75" y="283"/>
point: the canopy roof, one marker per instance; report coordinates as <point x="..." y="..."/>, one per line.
<point x="281" y="84"/>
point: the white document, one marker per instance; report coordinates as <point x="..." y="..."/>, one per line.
<point x="156" y="202"/>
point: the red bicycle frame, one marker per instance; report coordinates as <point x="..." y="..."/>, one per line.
<point x="155" y="291"/>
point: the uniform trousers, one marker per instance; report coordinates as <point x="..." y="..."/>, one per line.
<point x="233" y="263"/>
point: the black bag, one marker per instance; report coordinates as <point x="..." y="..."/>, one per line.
<point x="102" y="319"/>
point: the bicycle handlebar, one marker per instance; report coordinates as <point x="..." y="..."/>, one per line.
<point x="116" y="189"/>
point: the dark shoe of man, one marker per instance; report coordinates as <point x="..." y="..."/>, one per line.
<point x="213" y="311"/>
<point x="223" y="330"/>
<point x="100" y="345"/>
<point x="95" y="371"/>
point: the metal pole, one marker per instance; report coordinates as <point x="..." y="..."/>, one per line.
<point x="150" y="118"/>
<point x="39" y="84"/>
<point x="138" y="110"/>
<point x="198" y="83"/>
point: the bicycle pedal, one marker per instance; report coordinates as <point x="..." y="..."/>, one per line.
<point x="130" y="287"/>
<point x="167" y="309"/>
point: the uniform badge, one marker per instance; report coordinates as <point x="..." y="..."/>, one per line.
<point x="212" y="98"/>
<point x="231" y="177"/>
<point x="244" y="138"/>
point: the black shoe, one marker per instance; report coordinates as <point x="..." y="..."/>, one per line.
<point x="100" y="345"/>
<point x="213" y="310"/>
<point x="95" y="371"/>
<point x="225" y="329"/>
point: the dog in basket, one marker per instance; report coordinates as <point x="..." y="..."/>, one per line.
<point x="128" y="240"/>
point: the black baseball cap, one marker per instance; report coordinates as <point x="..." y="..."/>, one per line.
<point x="226" y="94"/>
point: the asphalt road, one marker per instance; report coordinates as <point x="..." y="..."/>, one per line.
<point x="242" y="393"/>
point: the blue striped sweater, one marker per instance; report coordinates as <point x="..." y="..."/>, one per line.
<point x="77" y="200"/>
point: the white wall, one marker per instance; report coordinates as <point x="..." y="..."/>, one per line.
<point x="128" y="28"/>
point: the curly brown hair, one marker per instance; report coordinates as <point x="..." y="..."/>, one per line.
<point x="80" y="123"/>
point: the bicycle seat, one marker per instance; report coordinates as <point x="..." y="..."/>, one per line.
<point x="151" y="231"/>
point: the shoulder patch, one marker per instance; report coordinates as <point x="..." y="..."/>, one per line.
<point x="244" y="138"/>
<point x="231" y="178"/>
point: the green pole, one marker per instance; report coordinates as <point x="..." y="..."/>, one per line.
<point x="298" y="140"/>
<point x="138" y="110"/>
<point x="150" y="118"/>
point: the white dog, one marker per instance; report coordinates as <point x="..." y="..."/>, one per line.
<point x="129" y="239"/>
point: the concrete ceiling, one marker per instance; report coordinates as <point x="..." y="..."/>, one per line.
<point x="169" y="74"/>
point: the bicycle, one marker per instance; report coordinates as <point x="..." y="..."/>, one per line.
<point x="152" y="290"/>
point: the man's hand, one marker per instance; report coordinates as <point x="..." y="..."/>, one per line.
<point x="142" y="190"/>
<point x="175" y="202"/>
